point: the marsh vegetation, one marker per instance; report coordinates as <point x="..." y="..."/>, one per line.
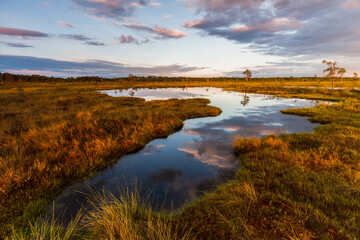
<point x="300" y="185"/>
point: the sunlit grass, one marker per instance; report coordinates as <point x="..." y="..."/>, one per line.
<point x="292" y="186"/>
<point x="45" y="229"/>
<point x="54" y="137"/>
<point x="127" y="216"/>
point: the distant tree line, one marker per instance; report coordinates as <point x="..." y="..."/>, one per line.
<point x="17" y="78"/>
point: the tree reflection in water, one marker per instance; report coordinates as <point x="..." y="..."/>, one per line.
<point x="246" y="100"/>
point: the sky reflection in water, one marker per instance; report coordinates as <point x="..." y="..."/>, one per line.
<point x="191" y="161"/>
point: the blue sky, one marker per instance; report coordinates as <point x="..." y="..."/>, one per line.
<point x="178" y="37"/>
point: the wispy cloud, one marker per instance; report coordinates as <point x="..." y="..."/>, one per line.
<point x="161" y="31"/>
<point x="83" y="38"/>
<point x="79" y="37"/>
<point x="167" y="16"/>
<point x="21" y="32"/>
<point x="16" y="45"/>
<point x="48" y="4"/>
<point x="66" y="24"/>
<point x="10" y="63"/>
<point x="155" y="4"/>
<point x="95" y="43"/>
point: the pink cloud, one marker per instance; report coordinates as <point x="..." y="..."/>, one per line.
<point x="21" y="32"/>
<point x="167" y="16"/>
<point x="155" y="4"/>
<point x="127" y="39"/>
<point x="66" y="24"/>
<point x="171" y="33"/>
<point x="351" y="4"/>
<point x="48" y="4"/>
<point x="164" y="32"/>
<point x="280" y="24"/>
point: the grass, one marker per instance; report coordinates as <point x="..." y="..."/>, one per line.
<point x="54" y="136"/>
<point x="292" y="186"/>
<point x="125" y="217"/>
<point x="44" y="229"/>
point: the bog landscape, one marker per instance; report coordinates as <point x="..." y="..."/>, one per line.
<point x="234" y="127"/>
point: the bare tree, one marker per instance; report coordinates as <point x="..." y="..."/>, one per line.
<point x="248" y="74"/>
<point x="342" y="71"/>
<point x="355" y="75"/>
<point x="331" y="70"/>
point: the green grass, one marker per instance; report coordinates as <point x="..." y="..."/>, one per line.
<point x="292" y="186"/>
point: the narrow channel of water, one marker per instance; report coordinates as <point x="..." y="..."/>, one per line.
<point x="187" y="163"/>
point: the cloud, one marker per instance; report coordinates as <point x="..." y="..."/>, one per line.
<point x="127" y="39"/>
<point x="81" y="37"/>
<point x="169" y="33"/>
<point x="95" y="43"/>
<point x="78" y="37"/>
<point x="282" y="69"/>
<point x="351" y="4"/>
<point x="155" y="4"/>
<point x="161" y="31"/>
<point x="48" y="4"/>
<point x="17" y="45"/>
<point x="89" y="67"/>
<point x="66" y="24"/>
<point x="21" y="32"/>
<point x="282" y="27"/>
<point x="167" y="16"/>
<point x="116" y="9"/>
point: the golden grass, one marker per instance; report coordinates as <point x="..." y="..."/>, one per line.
<point x="54" y="137"/>
<point x="293" y="186"/>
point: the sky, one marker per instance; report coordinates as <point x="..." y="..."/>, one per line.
<point x="190" y="38"/>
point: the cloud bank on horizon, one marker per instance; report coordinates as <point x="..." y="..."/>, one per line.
<point x="201" y="38"/>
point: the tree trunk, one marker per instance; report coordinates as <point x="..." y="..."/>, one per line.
<point x="333" y="77"/>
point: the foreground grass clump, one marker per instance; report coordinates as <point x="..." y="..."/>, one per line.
<point x="126" y="217"/>
<point x="52" y="137"/>
<point x="129" y="217"/>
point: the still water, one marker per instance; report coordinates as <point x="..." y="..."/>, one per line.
<point x="187" y="163"/>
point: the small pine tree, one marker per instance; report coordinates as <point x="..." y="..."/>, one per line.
<point x="331" y="70"/>
<point x="342" y="71"/>
<point x="248" y="74"/>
